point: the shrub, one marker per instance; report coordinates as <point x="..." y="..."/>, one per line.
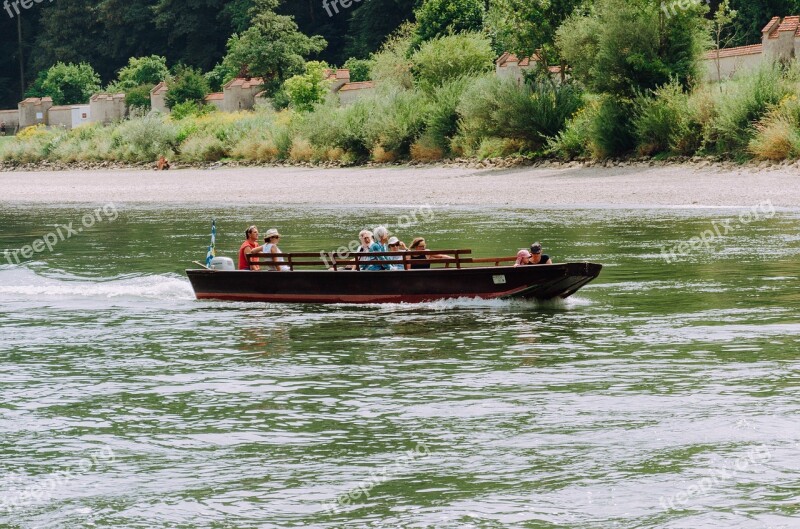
<point x="622" y="47"/>
<point x="776" y="139"/>
<point x="391" y="65"/>
<point x="441" y="121"/>
<point x="188" y="85"/>
<point x="360" y="69"/>
<point x="395" y="120"/>
<point x="660" y="118"/>
<point x="141" y="71"/>
<point x="610" y="129"/>
<point x="301" y="150"/>
<point x="139" y="96"/>
<point x="573" y="141"/>
<point x="202" y="148"/>
<point x="742" y="103"/>
<point x="308" y="89"/>
<point x="436" y="18"/>
<point x="446" y="58"/>
<point x="69" y="84"/>
<point x="427" y="149"/>
<point x="144" y="139"/>
<point x="189" y="109"/>
<point x="494" y="107"/>
<point x="497" y="147"/>
<point x="339" y="127"/>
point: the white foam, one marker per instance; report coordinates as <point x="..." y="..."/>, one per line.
<point x="23" y="283"/>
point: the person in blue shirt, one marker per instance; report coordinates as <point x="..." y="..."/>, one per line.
<point x="379" y="244"/>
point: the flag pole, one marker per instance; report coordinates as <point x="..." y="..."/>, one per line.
<point x="212" y="248"/>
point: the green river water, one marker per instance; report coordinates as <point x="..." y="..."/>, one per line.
<point x="662" y="395"/>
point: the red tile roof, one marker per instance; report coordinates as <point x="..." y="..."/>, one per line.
<point x="245" y="83"/>
<point x="159" y="88"/>
<point x="360" y="85"/>
<point x="790" y="24"/>
<point x="37" y="100"/>
<point x="216" y="96"/>
<point x="507" y="57"/>
<point x="772" y="24"/>
<point x="341" y="73"/>
<point x="754" y="49"/>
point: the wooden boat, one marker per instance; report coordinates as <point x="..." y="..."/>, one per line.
<point x="458" y="277"/>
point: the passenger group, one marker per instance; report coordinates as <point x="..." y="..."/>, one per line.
<point x="377" y="241"/>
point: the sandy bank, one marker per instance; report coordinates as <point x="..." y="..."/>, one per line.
<point x="631" y="185"/>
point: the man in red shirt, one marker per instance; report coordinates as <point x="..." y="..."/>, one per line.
<point x="249" y="246"/>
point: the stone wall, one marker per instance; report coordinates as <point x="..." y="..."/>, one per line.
<point x="107" y="108"/>
<point x="11" y="119"/>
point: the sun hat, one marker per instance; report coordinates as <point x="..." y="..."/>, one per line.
<point x="272" y="232"/>
<point x="393" y="240"/>
<point x="536" y="247"/>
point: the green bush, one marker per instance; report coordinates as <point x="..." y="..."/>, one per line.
<point x="360" y="69"/>
<point x="573" y="141"/>
<point x="187" y="85"/>
<point x="139" y="96"/>
<point x="661" y="118"/>
<point x="395" y="121"/>
<point x="144" y="139"/>
<point x="308" y="89"/>
<point x="446" y="58"/>
<point x="741" y="104"/>
<point x="190" y="109"/>
<point x="339" y="127"/>
<point x="441" y="121"/>
<point x="611" y="128"/>
<point x="436" y="18"/>
<point x="392" y="65"/>
<point x="141" y="71"/>
<point x="67" y="84"/>
<point x="500" y="108"/>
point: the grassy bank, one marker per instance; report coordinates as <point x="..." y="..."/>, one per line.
<point x="755" y="116"/>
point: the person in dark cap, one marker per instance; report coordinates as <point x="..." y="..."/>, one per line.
<point x="537" y="257"/>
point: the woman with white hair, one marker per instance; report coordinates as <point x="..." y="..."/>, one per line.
<point x="381" y="235"/>
<point x="365" y="236"/>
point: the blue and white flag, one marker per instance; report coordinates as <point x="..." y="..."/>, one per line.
<point x="212" y="251"/>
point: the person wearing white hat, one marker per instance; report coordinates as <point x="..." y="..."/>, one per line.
<point x="396" y="245"/>
<point x="271" y="239"/>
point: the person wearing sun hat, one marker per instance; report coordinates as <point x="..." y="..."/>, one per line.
<point x="271" y="239"/>
<point x="537" y="257"/>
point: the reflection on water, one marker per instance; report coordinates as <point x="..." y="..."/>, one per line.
<point x="661" y="395"/>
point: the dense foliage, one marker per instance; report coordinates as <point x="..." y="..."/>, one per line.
<point x="630" y="82"/>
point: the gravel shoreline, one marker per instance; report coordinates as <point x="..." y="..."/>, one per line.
<point x="476" y="183"/>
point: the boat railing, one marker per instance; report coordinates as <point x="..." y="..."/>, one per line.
<point x="460" y="259"/>
<point x="335" y="261"/>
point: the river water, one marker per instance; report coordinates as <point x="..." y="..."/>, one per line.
<point x="664" y="394"/>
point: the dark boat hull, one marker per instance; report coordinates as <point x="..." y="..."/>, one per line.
<point x="402" y="286"/>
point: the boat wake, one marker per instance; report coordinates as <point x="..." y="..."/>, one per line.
<point x="22" y="283"/>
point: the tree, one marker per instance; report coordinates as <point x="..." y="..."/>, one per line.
<point x="272" y="47"/>
<point x="528" y="27"/>
<point x="373" y="22"/>
<point x="307" y="90"/>
<point x="141" y="71"/>
<point x="188" y="84"/>
<point x="722" y="18"/>
<point x="623" y="47"/>
<point x="441" y="17"/>
<point x="67" y="84"/>
<point x="360" y="69"/>
<point x="446" y="58"/>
